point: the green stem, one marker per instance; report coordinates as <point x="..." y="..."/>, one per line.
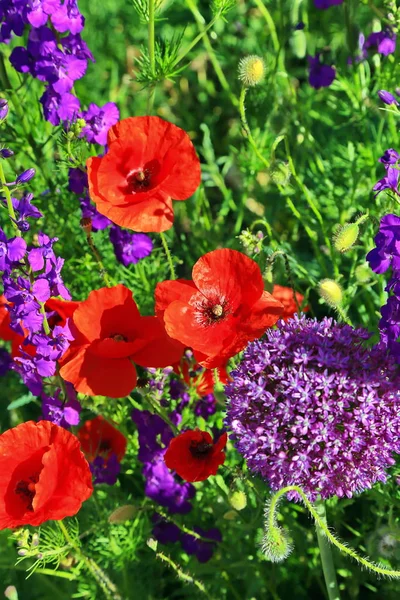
<point x="242" y="110"/>
<point x="376" y="568"/>
<point x="100" y="578"/>
<point x="97" y="257"/>
<point x="196" y="40"/>
<point x="325" y="549"/>
<point x="270" y="22"/>
<point x="208" y="46"/>
<point x="10" y="208"/>
<point x="168" y="255"/>
<point x="152" y="55"/>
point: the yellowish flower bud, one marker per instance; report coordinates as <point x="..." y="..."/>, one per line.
<point x="238" y="500"/>
<point x="363" y="273"/>
<point x="251" y="70"/>
<point x="331" y="292"/>
<point x="346" y="237"/>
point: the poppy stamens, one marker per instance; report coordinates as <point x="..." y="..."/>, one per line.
<point x="118" y="337"/>
<point x="201" y="449"/>
<point x="27" y="490"/>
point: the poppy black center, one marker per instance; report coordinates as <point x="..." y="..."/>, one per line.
<point x="200" y="449"/>
<point x="26" y="490"/>
<point x="105" y="446"/>
<point x="139" y="181"/>
<point x="118" y="337"/>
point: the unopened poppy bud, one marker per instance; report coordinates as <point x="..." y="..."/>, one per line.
<point x="231" y="515"/>
<point x="11" y="592"/>
<point x="276" y="544"/>
<point x="238" y="500"/>
<point x="346" y="237"/>
<point x="25" y="176"/>
<point x="251" y="70"/>
<point x="122" y="514"/>
<point x="3" y="109"/>
<point x="86" y="224"/>
<point x="363" y="273"/>
<point x="331" y="292"/>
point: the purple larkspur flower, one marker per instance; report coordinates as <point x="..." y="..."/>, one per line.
<point x="68" y="18"/>
<point x="130" y="247"/>
<point x="164" y="531"/>
<point x="38" y="11"/>
<point x="89" y="211"/>
<point x="389" y="157"/>
<point x="77" y="181"/>
<point x="60" y="70"/>
<point x="39" y="257"/>
<point x="389" y="182"/>
<point x="12" y="14"/>
<point x="206" y="406"/>
<point x="385" y="42"/>
<point x="312" y="405"/>
<point x="98" y="120"/>
<point x="323" y="4"/>
<point x="63" y="414"/>
<point x="11" y="251"/>
<point x="105" y="470"/>
<point x="320" y="75"/>
<point x="74" y="44"/>
<point x="387" y="251"/>
<point x="162" y="487"/>
<point x="5" y="362"/>
<point x="59" y="107"/>
<point x="53" y="346"/>
<point x="26" y="210"/>
<point x="202" y="549"/>
<point x="3" y="109"/>
<point x="26" y="368"/>
<point x="387" y="98"/>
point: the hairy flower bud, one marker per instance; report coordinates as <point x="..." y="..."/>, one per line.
<point x="251" y="70"/>
<point x="346" y="237"/>
<point x="331" y="292"/>
<point x="363" y="273"/>
<point x="276" y="543"/>
<point x="280" y="172"/>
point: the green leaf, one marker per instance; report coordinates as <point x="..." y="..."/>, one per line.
<point x="21" y="401"/>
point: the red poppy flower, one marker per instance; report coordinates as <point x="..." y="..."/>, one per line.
<point x="194" y="456"/>
<point x="110" y="336"/>
<point x="221" y="310"/>
<point x="43" y="475"/>
<point x="100" y="438"/>
<point x="60" y="311"/>
<point x="285" y="296"/>
<point x="149" y="162"/>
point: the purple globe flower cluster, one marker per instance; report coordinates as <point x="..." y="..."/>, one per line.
<point x="129" y="247"/>
<point x="384" y="256"/>
<point x="311" y="405"/>
<point x="169" y="533"/>
<point x="391" y="180"/>
<point x="59" y="60"/>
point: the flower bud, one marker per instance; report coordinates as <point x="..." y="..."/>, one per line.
<point x="387" y="97"/>
<point x="363" y="273"/>
<point x="276" y="544"/>
<point x="11" y="592"/>
<point x="251" y="70"/>
<point x="331" y="292"/>
<point x="86" y="224"/>
<point x="35" y="539"/>
<point x="22" y="552"/>
<point x="3" y="109"/>
<point x="122" y="514"/>
<point x="238" y="500"/>
<point x="346" y="237"/>
<point x="25" y="176"/>
<point x="231" y="515"/>
<point x="6" y="153"/>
